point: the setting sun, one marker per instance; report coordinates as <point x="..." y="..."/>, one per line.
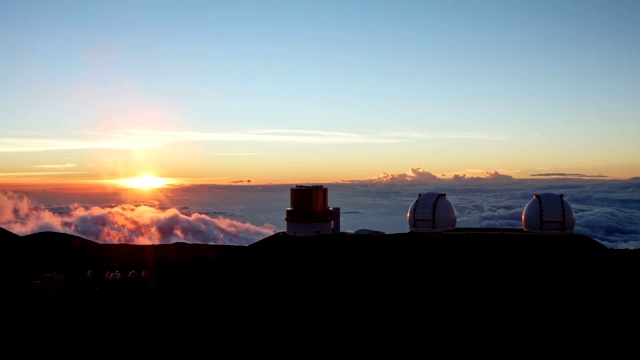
<point x="144" y="182"/>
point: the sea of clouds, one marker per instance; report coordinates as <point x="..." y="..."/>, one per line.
<point x="606" y="210"/>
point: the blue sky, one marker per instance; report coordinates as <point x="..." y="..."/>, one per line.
<point x="314" y="91"/>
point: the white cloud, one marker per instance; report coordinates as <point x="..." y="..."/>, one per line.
<point x="127" y="224"/>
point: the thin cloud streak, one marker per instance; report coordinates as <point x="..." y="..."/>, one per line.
<point x="33" y="144"/>
<point x="60" y="166"/>
<point x="41" y="173"/>
<point x="451" y="135"/>
<point x="568" y="175"/>
<point x="238" y="154"/>
<point x="141" y="139"/>
<point x="290" y="136"/>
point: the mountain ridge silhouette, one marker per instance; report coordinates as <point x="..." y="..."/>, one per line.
<point x="187" y="266"/>
<point x="372" y="281"/>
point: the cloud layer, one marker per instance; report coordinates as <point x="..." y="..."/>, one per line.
<point x="126" y="224"/>
<point x="606" y="210"/>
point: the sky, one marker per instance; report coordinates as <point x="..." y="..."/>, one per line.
<point x="150" y="122"/>
<point x="283" y="92"/>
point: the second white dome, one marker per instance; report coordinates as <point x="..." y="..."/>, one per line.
<point x="431" y="211"/>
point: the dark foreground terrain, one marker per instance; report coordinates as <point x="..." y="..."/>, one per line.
<point x="478" y="276"/>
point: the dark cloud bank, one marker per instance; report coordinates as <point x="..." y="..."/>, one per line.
<point x="606" y="210"/>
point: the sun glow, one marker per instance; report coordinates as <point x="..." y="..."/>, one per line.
<point x="145" y="182"/>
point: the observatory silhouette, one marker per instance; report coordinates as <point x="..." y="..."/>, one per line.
<point x="431" y="212"/>
<point x="310" y="213"/>
<point x="548" y="213"/>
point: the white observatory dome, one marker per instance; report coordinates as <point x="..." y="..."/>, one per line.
<point x="548" y="212"/>
<point x="431" y="211"/>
